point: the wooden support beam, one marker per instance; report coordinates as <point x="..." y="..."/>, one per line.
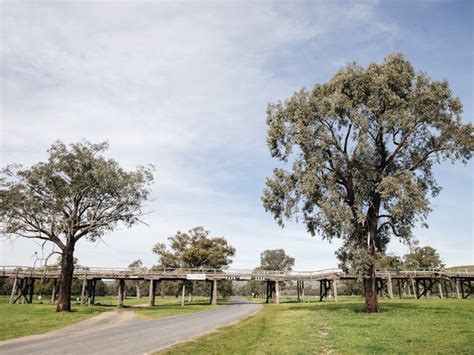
<point x="298" y="291"/>
<point x="417" y="289"/>
<point x="190" y="292"/>
<point x="323" y="290"/>
<point x="445" y="284"/>
<point x="466" y="288"/>
<point x="268" y="292"/>
<point x="83" y="291"/>
<point x="137" y="286"/>
<point x="334" y="289"/>
<point x="121" y="293"/>
<point x="440" y="289"/>
<point x="412" y="281"/>
<point x="389" y="284"/>
<point x="214" y="292"/>
<point x="14" y="290"/>
<point x="408" y="289"/>
<point x="31" y="290"/>
<point x="24" y="290"/>
<point x="302" y="290"/>
<point x="272" y="291"/>
<point x="379" y="287"/>
<point x="151" y="293"/>
<point x="427" y="287"/>
<point x="457" y="289"/>
<point x="277" y="292"/>
<point x="20" y="290"/>
<point x="91" y="286"/>
<point x="183" y="293"/>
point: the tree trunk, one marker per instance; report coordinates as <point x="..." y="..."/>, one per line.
<point x="370" y="292"/>
<point x="370" y="281"/>
<point x="67" y="270"/>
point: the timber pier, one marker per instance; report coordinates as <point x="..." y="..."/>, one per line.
<point x="418" y="283"/>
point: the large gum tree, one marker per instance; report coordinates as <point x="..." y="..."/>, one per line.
<point x="76" y="194"/>
<point x="359" y="152"/>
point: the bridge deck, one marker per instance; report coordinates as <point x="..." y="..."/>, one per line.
<point x="213" y="274"/>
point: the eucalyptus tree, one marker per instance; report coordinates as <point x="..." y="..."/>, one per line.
<point x="195" y="249"/>
<point x="359" y="152"/>
<point x="273" y="260"/>
<point x="423" y="257"/>
<point x="76" y="194"/>
<point x="276" y="259"/>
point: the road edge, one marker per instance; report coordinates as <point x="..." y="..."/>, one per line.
<point x="209" y="332"/>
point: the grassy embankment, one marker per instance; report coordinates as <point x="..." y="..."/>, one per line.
<point x="27" y="319"/>
<point x="404" y="326"/>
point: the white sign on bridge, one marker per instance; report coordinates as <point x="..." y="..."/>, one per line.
<point x="195" y="276"/>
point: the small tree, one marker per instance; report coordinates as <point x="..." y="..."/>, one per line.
<point x="276" y="260"/>
<point x="270" y="260"/>
<point x="76" y="194"/>
<point x="361" y="148"/>
<point x="423" y="258"/>
<point x="195" y="249"/>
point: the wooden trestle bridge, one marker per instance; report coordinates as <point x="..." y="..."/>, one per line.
<point x="418" y="283"/>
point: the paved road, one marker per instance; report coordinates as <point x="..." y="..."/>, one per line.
<point x="121" y="333"/>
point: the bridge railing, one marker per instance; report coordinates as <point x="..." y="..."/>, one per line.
<point x="101" y="272"/>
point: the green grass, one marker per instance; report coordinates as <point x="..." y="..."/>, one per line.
<point x="27" y="319"/>
<point x="404" y="326"/>
<point x="18" y="320"/>
<point x="171" y="306"/>
<point x="111" y="301"/>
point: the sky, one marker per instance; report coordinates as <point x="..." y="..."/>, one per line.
<point x="185" y="86"/>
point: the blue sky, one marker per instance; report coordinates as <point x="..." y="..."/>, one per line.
<point x="184" y="86"/>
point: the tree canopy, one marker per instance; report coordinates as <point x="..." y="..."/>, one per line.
<point x="276" y="260"/>
<point x="423" y="258"/>
<point x="77" y="193"/>
<point x="136" y="265"/>
<point x="195" y="249"/>
<point x="389" y="262"/>
<point x="359" y="151"/>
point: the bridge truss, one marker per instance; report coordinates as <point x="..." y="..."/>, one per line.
<point x="417" y="282"/>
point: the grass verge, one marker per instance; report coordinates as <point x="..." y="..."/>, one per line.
<point x="404" y="326"/>
<point x="19" y="320"/>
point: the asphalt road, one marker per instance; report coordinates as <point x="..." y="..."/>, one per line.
<point x="122" y="333"/>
